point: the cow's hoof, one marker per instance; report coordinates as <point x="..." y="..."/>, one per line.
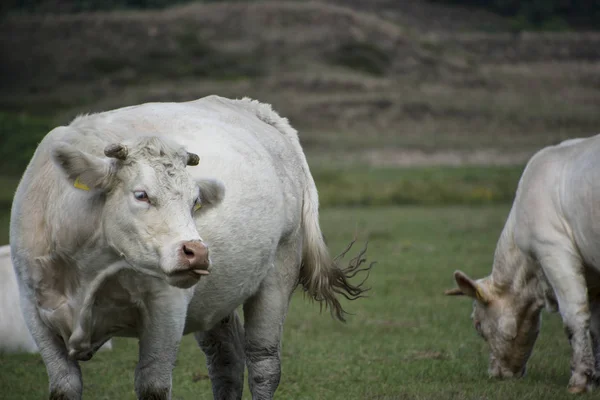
<point x="577" y="389"/>
<point x="154" y="394"/>
<point x="54" y="395"/>
<point x="581" y="382"/>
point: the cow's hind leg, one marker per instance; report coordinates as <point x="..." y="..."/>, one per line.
<point x="565" y="273"/>
<point x="595" y="330"/>
<point x="223" y="346"/>
<point x="264" y="315"/>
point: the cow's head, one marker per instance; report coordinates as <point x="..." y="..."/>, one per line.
<point x="508" y="322"/>
<point x="149" y="202"/>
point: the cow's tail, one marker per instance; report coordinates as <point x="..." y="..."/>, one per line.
<point x="320" y="275"/>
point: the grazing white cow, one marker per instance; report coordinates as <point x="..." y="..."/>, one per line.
<point x="547" y="256"/>
<point x="105" y="238"/>
<point x="14" y="335"/>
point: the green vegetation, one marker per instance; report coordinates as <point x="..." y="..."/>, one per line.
<point x="525" y="15"/>
<point x="431" y="93"/>
<point x="352" y="186"/>
<point x="70" y="6"/>
<point x="363" y="57"/>
<point x="207" y="61"/>
<point x="7" y="189"/>
<point x="193" y="58"/>
<point x="424" y="186"/>
<point x="19" y="136"/>
<point x="405" y="341"/>
<point x="541" y="14"/>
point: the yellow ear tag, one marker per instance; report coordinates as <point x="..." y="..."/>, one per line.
<point x="80" y="185"/>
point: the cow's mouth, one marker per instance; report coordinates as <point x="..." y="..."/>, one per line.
<point x="185" y="278"/>
<point x="194" y="273"/>
<point x="498" y="371"/>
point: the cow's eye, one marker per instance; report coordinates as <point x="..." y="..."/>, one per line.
<point x="197" y="204"/>
<point x="141" y="195"/>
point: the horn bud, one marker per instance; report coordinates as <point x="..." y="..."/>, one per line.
<point x="192" y="159"/>
<point x="116" y="150"/>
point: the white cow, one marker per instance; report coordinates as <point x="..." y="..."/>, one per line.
<point x="14" y="335"/>
<point x="105" y="237"/>
<point x="547" y="256"/>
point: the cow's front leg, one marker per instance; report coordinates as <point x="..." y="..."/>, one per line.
<point x="566" y="275"/>
<point x="163" y="320"/>
<point x="264" y="314"/>
<point x="223" y="346"/>
<point x="64" y="375"/>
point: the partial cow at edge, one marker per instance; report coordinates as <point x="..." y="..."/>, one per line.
<point x="14" y="335"/>
<point x="547" y="257"/>
<point x="159" y="220"/>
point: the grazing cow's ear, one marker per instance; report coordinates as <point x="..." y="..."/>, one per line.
<point x="212" y="191"/>
<point x="84" y="170"/>
<point x="454" y="292"/>
<point x="467" y="287"/>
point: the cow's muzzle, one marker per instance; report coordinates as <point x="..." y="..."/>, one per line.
<point x="192" y="263"/>
<point x="498" y="371"/>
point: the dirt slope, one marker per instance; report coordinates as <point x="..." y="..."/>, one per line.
<point x="363" y="83"/>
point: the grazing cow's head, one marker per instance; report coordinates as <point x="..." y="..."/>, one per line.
<point x="149" y="202"/>
<point x="508" y="322"/>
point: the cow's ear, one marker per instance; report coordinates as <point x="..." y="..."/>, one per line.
<point x="212" y="192"/>
<point x="83" y="170"/>
<point x="468" y="287"/>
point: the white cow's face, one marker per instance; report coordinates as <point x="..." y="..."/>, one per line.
<point x="508" y="323"/>
<point x="149" y="204"/>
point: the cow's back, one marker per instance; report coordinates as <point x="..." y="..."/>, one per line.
<point x="558" y="200"/>
<point x="581" y="197"/>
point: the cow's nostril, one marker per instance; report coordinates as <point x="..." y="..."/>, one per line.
<point x="194" y="255"/>
<point x="189" y="253"/>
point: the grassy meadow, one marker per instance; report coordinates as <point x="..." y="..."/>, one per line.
<point x="405" y="341"/>
<point x="416" y="120"/>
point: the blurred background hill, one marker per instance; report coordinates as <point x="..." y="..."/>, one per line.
<point x="369" y="84"/>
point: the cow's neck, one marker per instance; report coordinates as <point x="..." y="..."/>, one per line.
<point x="77" y="231"/>
<point x="514" y="271"/>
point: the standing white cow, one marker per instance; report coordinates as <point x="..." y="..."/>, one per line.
<point x="14" y="335"/>
<point x="105" y="237"/>
<point x="547" y="255"/>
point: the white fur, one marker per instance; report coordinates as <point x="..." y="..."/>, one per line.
<point x="14" y="335"/>
<point x="92" y="266"/>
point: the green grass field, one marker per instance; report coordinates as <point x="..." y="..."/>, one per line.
<point x="406" y="341"/>
<point x="396" y="84"/>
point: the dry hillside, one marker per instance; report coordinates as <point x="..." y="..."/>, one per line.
<point x="383" y="82"/>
